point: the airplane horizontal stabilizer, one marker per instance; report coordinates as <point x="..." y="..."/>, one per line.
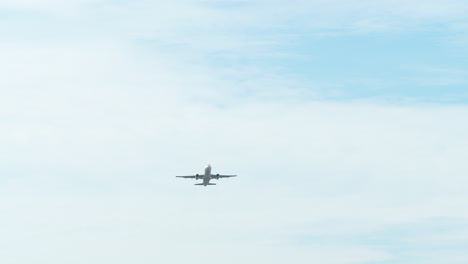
<point x="204" y="184"/>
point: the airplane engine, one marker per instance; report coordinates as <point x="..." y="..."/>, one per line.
<point x="197" y="176"/>
<point x="217" y="176"/>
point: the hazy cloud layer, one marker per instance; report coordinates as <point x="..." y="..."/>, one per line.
<point x="103" y="103"/>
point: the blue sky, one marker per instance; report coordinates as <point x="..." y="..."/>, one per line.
<point x="345" y="121"/>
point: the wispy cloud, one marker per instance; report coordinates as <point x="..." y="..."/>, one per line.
<point x="103" y="102"/>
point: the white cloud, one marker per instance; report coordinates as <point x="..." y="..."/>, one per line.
<point x="209" y="23"/>
<point x="93" y="130"/>
<point x="92" y="137"/>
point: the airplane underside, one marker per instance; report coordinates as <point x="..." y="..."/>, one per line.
<point x="207" y="176"/>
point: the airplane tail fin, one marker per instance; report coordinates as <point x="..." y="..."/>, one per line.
<point x="204" y="184"/>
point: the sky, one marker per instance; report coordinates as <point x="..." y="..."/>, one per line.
<point x="346" y="122"/>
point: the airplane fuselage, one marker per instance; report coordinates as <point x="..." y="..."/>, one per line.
<point x="207" y="177"/>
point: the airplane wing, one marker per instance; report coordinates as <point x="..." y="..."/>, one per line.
<point x="190" y="176"/>
<point x="224" y="176"/>
<point x="201" y="176"/>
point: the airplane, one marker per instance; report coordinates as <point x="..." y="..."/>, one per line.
<point x="206" y="177"/>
